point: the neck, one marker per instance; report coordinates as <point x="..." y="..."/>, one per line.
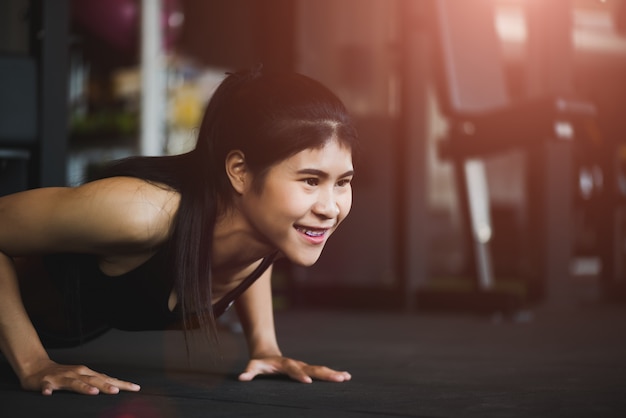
<point x="236" y="244"/>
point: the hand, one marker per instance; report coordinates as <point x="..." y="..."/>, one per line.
<point x="81" y="379"/>
<point x="295" y="369"/>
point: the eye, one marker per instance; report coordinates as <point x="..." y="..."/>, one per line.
<point x="344" y="182"/>
<point x="311" y="181"/>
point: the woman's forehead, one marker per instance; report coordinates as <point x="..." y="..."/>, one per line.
<point x="332" y="154"/>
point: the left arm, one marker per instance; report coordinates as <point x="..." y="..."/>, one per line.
<point x="255" y="311"/>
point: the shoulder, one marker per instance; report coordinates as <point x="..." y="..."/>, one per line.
<point x="140" y="211"/>
<point x="115" y="214"/>
<point x="129" y="190"/>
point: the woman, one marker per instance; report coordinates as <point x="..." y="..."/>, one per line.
<point x="157" y="242"/>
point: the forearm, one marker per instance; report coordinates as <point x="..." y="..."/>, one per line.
<point x="19" y="341"/>
<point x="255" y="311"/>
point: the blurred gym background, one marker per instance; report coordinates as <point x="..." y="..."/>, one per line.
<point x="492" y="175"/>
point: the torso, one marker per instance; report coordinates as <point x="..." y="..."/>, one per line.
<point x="223" y="281"/>
<point x="140" y="255"/>
<point x="143" y="298"/>
<point x="118" y="265"/>
<point x="115" y="264"/>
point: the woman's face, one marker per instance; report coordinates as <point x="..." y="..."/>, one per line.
<point x="303" y="200"/>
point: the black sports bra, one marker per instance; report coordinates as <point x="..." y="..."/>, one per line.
<point x="134" y="301"/>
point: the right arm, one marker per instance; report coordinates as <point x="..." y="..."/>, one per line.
<point x="102" y="218"/>
<point x="27" y="356"/>
<point x="18" y="340"/>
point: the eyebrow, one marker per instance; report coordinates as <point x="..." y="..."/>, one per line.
<point x="320" y="173"/>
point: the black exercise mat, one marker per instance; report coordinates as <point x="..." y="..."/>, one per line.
<point x="569" y="363"/>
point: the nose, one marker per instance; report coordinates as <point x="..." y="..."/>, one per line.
<point x="326" y="205"/>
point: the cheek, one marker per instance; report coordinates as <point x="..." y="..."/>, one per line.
<point x="291" y="203"/>
<point x="345" y="204"/>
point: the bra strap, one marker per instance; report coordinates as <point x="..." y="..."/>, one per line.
<point x="226" y="302"/>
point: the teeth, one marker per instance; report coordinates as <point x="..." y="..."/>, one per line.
<point x="310" y="232"/>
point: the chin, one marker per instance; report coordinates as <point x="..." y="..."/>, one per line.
<point x="305" y="261"/>
<point x="308" y="263"/>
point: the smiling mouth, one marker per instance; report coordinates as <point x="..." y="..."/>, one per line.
<point x="311" y="232"/>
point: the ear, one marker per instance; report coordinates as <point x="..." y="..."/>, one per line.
<point x="237" y="171"/>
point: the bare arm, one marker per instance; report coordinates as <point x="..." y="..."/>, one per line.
<point x="18" y="339"/>
<point x="254" y="309"/>
<point x="95" y="218"/>
<point x="255" y="312"/>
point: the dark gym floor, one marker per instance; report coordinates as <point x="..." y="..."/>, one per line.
<point x="556" y="361"/>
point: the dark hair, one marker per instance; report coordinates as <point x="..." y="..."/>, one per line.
<point x="267" y="116"/>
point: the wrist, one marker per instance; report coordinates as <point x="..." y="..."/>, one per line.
<point x="262" y="343"/>
<point x="261" y="350"/>
<point x="32" y="365"/>
<point x="265" y="354"/>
